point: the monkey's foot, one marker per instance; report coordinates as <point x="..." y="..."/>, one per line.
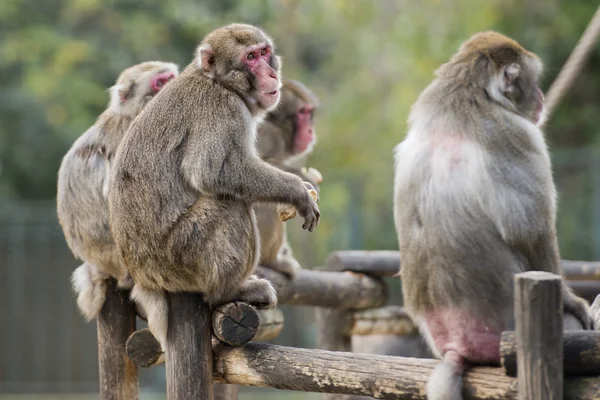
<point x="258" y="292"/>
<point x="286" y="265"/>
<point x="580" y="309"/>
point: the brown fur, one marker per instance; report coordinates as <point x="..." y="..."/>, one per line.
<point x="185" y="179"/>
<point x="275" y="145"/>
<point x="474" y="196"/>
<point x="82" y="183"/>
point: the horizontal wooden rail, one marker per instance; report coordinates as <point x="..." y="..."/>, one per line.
<point x="383" y="377"/>
<point x="233" y="323"/>
<point x="327" y="289"/>
<point x="390" y="320"/>
<point x="581" y="353"/>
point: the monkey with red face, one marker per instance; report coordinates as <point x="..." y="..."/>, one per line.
<point x="474" y="204"/>
<point x="82" y="195"/>
<point x="287" y="134"/>
<point x="188" y="173"/>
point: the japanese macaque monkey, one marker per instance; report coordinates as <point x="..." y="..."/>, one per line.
<point x="475" y="204"/>
<point x="188" y="173"/>
<point x="287" y="133"/>
<point x="82" y="196"/>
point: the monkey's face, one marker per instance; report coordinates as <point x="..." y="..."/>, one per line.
<point x="139" y="84"/>
<point x="304" y="131"/>
<point x="521" y="90"/>
<point x="242" y="58"/>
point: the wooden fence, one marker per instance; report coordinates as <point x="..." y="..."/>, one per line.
<point x="204" y="347"/>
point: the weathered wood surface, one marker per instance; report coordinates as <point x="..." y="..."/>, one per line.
<point x="237" y="323"/>
<point x="588" y="289"/>
<point x="189" y="351"/>
<point x="144" y="350"/>
<point x="226" y="392"/>
<point x="387" y="263"/>
<point x="389" y="320"/>
<point x="539" y="329"/>
<point x="379" y="262"/>
<point x="327" y="289"/>
<point x="581" y="351"/>
<point x="382" y="377"/>
<point x="581" y="270"/>
<point x="116" y="321"/>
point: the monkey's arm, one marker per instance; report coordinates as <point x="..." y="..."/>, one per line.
<point x="295" y="171"/>
<point x="223" y="163"/>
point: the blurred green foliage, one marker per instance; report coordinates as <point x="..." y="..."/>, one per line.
<point x="367" y="60"/>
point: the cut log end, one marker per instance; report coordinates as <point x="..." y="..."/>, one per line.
<point x="143" y="349"/>
<point x="235" y="323"/>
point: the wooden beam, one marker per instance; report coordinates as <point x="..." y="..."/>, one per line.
<point x="145" y="351"/>
<point x="189" y="350"/>
<point x="539" y="328"/>
<point x="387" y="263"/>
<point x="382" y="377"/>
<point x="588" y="289"/>
<point x="379" y="263"/>
<point x="581" y="270"/>
<point x="116" y="321"/>
<point x="390" y="320"/>
<point x="237" y="323"/>
<point x="327" y="289"/>
<point x="581" y="353"/>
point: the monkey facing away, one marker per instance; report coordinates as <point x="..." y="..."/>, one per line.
<point x="475" y="204"/>
<point x="82" y="195"/>
<point x="187" y="174"/>
<point x="287" y="133"/>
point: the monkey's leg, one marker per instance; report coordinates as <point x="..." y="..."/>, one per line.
<point x="577" y="307"/>
<point x="154" y="303"/>
<point x="216" y="243"/>
<point x="285" y="262"/>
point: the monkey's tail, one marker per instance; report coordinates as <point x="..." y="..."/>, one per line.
<point x="90" y="285"/>
<point x="154" y="304"/>
<point x="445" y="383"/>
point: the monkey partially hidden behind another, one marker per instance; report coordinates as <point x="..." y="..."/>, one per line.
<point x="82" y="195"/>
<point x="187" y="174"/>
<point x="475" y="204"/>
<point x="287" y="133"/>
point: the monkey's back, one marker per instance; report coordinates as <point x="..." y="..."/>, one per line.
<point x="82" y="205"/>
<point x="464" y="204"/>
<point x="151" y="199"/>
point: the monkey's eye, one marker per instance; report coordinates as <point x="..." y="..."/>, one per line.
<point x="263" y="52"/>
<point x="250" y="56"/>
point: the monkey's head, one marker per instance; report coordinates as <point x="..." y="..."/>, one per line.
<point x="242" y="58"/>
<point x="294" y="118"/>
<point x="506" y="71"/>
<point x="139" y="84"/>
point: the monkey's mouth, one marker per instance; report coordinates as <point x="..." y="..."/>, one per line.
<point x="272" y="93"/>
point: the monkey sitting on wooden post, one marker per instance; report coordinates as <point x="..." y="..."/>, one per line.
<point x="188" y="173"/>
<point x="475" y="204"/>
<point x="82" y="195"/>
<point x="286" y="134"/>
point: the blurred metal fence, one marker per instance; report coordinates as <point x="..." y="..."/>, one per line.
<point x="45" y="345"/>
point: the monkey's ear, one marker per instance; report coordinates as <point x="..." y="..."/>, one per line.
<point x="510" y="74"/>
<point x="206" y="57"/>
<point x="115" y="95"/>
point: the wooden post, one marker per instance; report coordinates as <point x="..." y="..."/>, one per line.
<point x="116" y="321"/>
<point x="539" y="329"/>
<point x="334" y="334"/>
<point x="189" y="350"/>
<point x="226" y="392"/>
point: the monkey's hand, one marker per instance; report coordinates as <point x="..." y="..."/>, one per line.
<point x="579" y="308"/>
<point x="287" y="212"/>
